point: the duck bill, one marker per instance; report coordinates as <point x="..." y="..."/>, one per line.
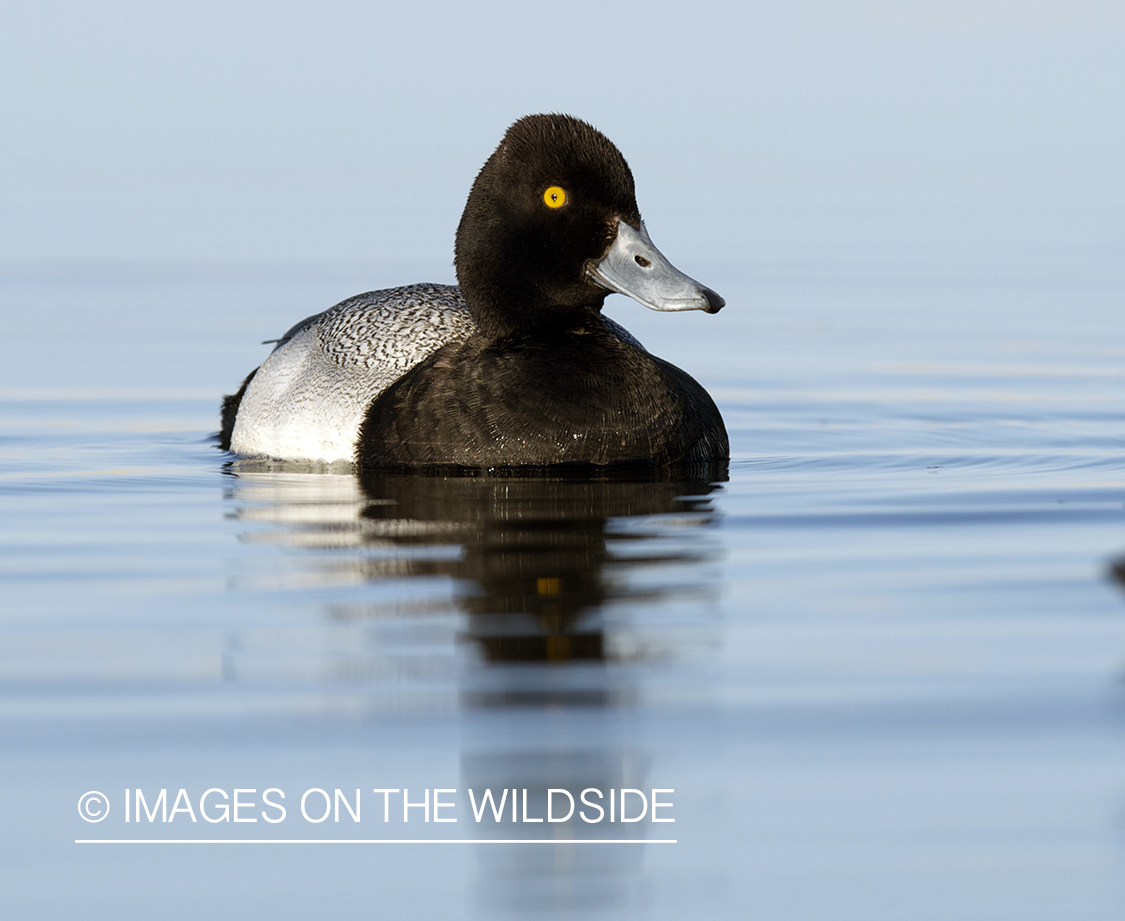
<point x="635" y="267"/>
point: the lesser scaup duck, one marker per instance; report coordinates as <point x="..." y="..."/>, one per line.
<point x="515" y="368"/>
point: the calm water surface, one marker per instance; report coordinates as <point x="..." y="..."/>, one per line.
<point x="880" y="666"/>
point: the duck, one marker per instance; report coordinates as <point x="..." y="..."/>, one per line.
<point x="514" y="367"/>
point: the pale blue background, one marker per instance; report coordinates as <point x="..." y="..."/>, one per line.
<point x="810" y="132"/>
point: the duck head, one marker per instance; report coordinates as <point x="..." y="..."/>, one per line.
<point x="552" y="226"/>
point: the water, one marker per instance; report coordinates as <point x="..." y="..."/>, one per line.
<point x="877" y="670"/>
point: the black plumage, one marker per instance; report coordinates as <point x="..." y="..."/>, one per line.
<point x="577" y="396"/>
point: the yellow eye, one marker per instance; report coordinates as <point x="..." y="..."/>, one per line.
<point x="554" y="197"/>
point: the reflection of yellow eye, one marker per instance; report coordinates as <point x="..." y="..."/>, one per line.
<point x="554" y="197"/>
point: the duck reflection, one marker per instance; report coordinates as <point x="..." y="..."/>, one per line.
<point x="554" y="579"/>
<point x="539" y="554"/>
<point x="535" y="560"/>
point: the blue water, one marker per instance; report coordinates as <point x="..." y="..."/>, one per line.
<point x="879" y="669"/>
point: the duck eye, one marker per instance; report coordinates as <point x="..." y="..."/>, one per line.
<point x="554" y="197"/>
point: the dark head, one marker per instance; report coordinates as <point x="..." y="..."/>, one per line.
<point x="540" y="243"/>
